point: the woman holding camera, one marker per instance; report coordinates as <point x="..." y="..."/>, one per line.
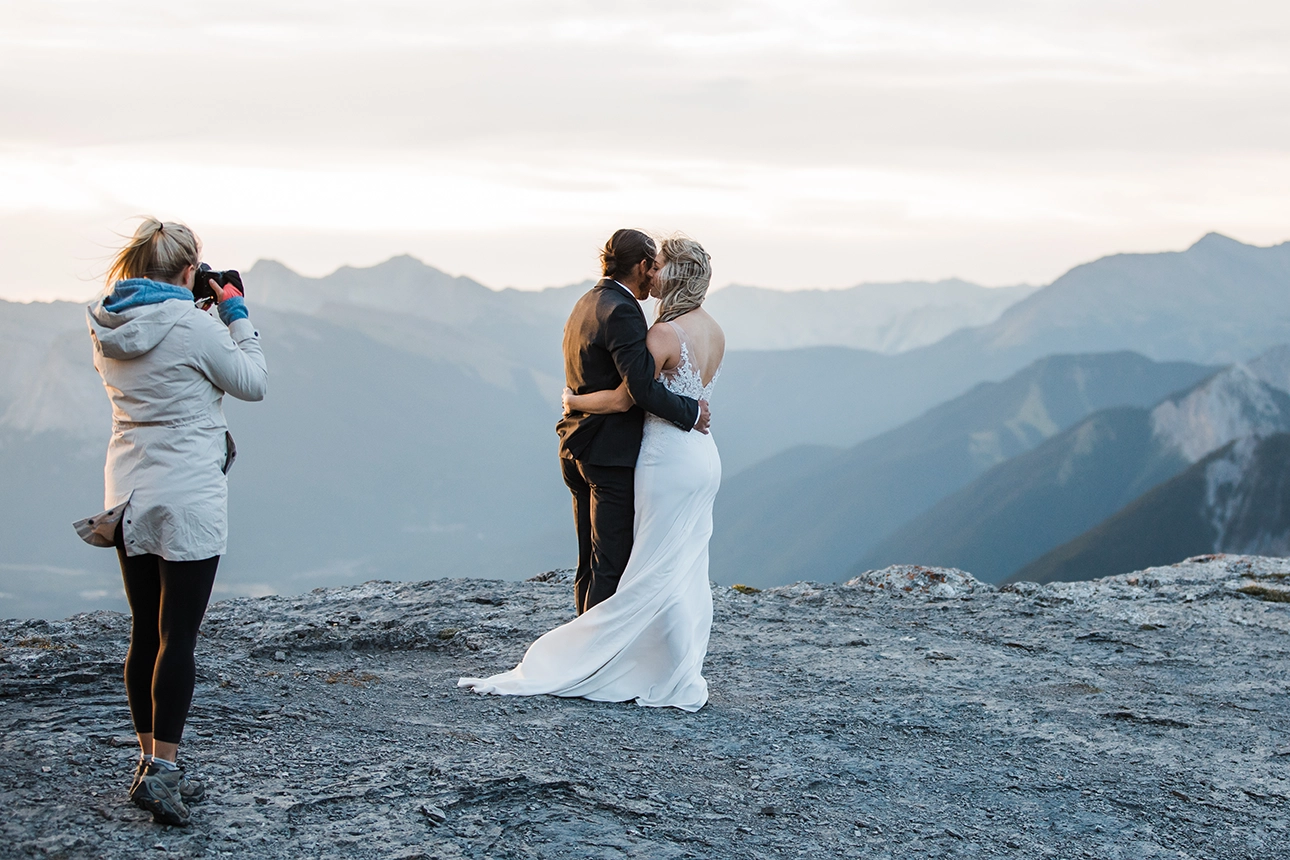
<point x="167" y="363"/>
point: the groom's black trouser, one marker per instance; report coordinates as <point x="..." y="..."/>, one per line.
<point x="604" y="509"/>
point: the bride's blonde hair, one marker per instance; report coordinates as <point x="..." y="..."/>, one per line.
<point x="683" y="280"/>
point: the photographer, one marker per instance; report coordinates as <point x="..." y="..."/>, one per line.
<point x="166" y="363"/>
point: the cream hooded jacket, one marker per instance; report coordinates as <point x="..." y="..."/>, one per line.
<point x="166" y="367"/>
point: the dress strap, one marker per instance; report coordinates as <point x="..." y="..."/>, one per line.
<point x="680" y="333"/>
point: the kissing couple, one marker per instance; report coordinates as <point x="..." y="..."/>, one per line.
<point x="643" y="469"/>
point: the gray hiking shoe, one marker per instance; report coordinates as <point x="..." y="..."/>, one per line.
<point x="158" y="792"/>
<point x="191" y="789"/>
<point x="140" y="769"/>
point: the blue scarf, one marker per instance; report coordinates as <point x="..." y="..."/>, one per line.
<point x="135" y="292"/>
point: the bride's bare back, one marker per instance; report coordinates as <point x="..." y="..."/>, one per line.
<point x="706" y="341"/>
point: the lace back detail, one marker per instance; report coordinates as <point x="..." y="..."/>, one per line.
<point x="685" y="379"/>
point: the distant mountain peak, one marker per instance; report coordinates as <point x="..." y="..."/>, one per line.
<point x="262" y="266"/>
<point x="401" y="263"/>
<point x="1212" y="241"/>
<point x="404" y="260"/>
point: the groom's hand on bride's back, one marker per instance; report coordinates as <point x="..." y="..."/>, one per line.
<point x="705" y="418"/>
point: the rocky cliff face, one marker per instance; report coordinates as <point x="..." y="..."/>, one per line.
<point x="909" y="713"/>
<point x="1234" y="404"/>
<point x="1247" y="496"/>
<point x="1018" y="512"/>
<point x="1236" y="500"/>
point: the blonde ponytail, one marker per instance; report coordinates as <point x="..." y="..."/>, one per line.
<point x="158" y="250"/>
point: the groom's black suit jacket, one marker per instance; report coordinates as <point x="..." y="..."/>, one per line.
<point x="604" y="343"/>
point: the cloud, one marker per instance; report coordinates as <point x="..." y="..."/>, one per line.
<point x="801" y="120"/>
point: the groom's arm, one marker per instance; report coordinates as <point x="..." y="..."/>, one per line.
<point x="625" y="339"/>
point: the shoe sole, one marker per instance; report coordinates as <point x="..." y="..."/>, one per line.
<point x="188" y="801"/>
<point x="162" y="808"/>
<point x="137" y="799"/>
<point x="163" y="812"/>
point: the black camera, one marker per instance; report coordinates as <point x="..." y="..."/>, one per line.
<point x="203" y="295"/>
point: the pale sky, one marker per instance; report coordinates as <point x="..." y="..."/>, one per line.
<point x="805" y="143"/>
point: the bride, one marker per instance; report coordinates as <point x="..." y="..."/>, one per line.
<point x="647" y="641"/>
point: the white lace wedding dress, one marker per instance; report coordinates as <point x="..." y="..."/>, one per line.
<point x="646" y="642"/>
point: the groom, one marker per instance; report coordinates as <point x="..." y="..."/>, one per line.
<point x="604" y="344"/>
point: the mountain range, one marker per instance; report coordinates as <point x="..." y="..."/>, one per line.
<point x="1218" y="302"/>
<point x="409" y="432"/>
<point x="505" y="335"/>
<point x="812" y="511"/>
<point x="408" y="428"/>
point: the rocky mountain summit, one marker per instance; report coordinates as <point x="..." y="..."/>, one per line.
<point x="910" y="712"/>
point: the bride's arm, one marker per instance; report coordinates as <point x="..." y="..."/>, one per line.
<point x="598" y="402"/>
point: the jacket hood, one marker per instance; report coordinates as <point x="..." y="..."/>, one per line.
<point x="136" y="315"/>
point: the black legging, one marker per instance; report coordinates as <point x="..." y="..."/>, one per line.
<point x="167" y="602"/>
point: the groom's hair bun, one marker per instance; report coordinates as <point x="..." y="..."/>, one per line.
<point x="624" y="250"/>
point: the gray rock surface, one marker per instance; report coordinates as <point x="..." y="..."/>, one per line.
<point x="1138" y="716"/>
